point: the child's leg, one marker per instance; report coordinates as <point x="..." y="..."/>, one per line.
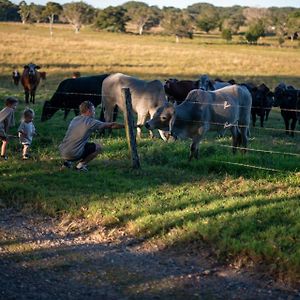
<point x="25" y="150"/>
<point x="3" y="147"/>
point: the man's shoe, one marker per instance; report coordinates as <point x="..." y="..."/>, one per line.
<point x="66" y="164"/>
<point x="4" y="157"/>
<point x="81" y="168"/>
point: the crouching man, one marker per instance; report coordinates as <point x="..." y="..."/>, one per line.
<point x="75" y="146"/>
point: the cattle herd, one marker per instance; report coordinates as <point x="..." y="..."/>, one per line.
<point x="178" y="108"/>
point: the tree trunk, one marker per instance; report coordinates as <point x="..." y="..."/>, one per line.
<point x="51" y="20"/>
<point x="141" y="29"/>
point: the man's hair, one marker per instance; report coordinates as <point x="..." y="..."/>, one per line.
<point x="10" y="101"/>
<point x="28" y="112"/>
<point x="85" y="106"/>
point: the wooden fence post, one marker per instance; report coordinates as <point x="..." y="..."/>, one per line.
<point x="129" y="127"/>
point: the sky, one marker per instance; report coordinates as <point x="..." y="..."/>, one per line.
<point x="180" y="3"/>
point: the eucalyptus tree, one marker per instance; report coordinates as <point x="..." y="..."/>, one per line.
<point x="112" y="19"/>
<point x="78" y="14"/>
<point x="24" y="11"/>
<point x="142" y="15"/>
<point x="52" y="10"/>
<point x="177" y="22"/>
<point x="36" y="12"/>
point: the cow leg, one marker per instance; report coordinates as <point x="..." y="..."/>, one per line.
<point x="140" y="123"/>
<point x="26" y="96"/>
<point x="287" y="126"/>
<point x="236" y="138"/>
<point x="244" y="134"/>
<point x="108" y="116"/>
<point x="293" y="126"/>
<point x="253" y="118"/>
<point x="194" y="149"/>
<point x="32" y="97"/>
<point x="66" y="112"/>
<point x="262" y="117"/>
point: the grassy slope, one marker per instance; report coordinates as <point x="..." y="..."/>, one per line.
<point x="242" y="211"/>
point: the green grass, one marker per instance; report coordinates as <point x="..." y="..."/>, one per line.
<point x="245" y="207"/>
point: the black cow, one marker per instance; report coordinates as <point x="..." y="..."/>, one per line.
<point x="262" y="101"/>
<point x="177" y="90"/>
<point x="71" y="93"/>
<point x="287" y="98"/>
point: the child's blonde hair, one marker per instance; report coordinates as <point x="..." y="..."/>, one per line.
<point x="27" y="112"/>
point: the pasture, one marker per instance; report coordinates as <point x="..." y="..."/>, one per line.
<point x="245" y="207"/>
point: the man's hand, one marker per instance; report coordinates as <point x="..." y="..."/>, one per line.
<point x="115" y="125"/>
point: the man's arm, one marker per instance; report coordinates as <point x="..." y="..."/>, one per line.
<point x="112" y="125"/>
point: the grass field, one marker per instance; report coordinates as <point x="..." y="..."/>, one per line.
<point x="245" y="207"/>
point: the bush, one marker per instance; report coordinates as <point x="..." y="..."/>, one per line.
<point x="255" y="31"/>
<point x="227" y="34"/>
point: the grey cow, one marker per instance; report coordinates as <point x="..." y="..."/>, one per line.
<point x="228" y="107"/>
<point x="147" y="97"/>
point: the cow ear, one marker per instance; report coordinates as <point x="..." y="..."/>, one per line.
<point x="37" y="67"/>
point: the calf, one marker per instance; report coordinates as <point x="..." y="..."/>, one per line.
<point x="16" y="76"/>
<point x="30" y="80"/>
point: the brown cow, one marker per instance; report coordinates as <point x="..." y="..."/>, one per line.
<point x="30" y="80"/>
<point x="43" y="75"/>
<point x="76" y="75"/>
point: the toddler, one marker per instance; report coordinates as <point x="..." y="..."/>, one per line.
<point x="26" y="131"/>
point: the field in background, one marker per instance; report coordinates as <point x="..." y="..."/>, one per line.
<point x="246" y="207"/>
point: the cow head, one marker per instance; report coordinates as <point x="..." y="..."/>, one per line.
<point x="48" y="111"/>
<point x="162" y="119"/>
<point x="205" y="83"/>
<point x="279" y="94"/>
<point x="31" y="69"/>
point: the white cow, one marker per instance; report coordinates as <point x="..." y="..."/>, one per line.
<point x="146" y="96"/>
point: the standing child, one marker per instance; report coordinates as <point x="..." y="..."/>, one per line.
<point x="7" y="120"/>
<point x="26" y="131"/>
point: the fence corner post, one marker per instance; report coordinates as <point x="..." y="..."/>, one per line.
<point x="129" y="128"/>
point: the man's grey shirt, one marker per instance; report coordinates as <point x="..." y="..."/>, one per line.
<point x="77" y="135"/>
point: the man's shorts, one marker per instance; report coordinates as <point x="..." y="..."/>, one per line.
<point x="89" y="148"/>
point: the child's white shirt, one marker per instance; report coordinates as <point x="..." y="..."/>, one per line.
<point x="29" y="130"/>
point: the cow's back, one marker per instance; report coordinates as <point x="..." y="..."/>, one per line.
<point x="144" y="95"/>
<point x="71" y="92"/>
<point x="233" y="104"/>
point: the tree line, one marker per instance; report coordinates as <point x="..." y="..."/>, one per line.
<point x="283" y="22"/>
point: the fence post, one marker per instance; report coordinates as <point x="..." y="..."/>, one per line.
<point x="129" y="127"/>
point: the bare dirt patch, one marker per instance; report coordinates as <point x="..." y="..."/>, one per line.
<point x="44" y="258"/>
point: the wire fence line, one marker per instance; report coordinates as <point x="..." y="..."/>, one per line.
<point x="248" y="166"/>
<point x="192" y="102"/>
<point x="263" y="151"/>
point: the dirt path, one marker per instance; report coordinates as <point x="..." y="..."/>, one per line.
<point x="41" y="258"/>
